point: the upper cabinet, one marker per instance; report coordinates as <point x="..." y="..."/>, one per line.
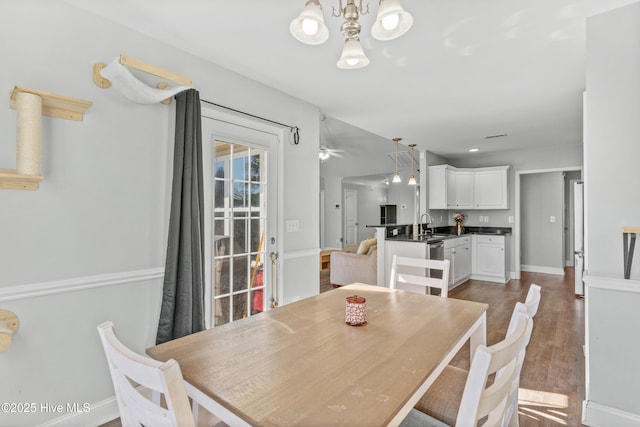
<point x="479" y="188"/>
<point x="490" y="188"/>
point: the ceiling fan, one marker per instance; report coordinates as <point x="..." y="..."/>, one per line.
<point x="326" y="152"/>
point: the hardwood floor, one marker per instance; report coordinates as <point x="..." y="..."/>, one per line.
<point x="552" y="382"/>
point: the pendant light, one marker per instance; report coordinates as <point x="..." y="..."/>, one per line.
<point x="396" y="177"/>
<point x="412" y="179"/>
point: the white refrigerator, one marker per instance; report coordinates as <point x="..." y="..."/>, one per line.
<point x="578" y="235"/>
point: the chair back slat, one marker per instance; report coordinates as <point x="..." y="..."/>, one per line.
<point x="419" y="272"/>
<point x="478" y="400"/>
<point x="130" y="370"/>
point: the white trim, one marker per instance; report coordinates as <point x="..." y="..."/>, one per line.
<point x="302" y="253"/>
<point x="542" y="269"/>
<point x="612" y="284"/>
<point x="493" y="279"/>
<point x="516" y="229"/>
<point x="10" y="293"/>
<point x="597" y="414"/>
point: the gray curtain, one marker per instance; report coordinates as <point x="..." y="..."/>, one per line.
<point x="182" y="311"/>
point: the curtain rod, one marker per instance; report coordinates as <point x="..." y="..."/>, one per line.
<point x="293" y="129"/>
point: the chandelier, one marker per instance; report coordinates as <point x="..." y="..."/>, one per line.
<point x="392" y="22"/>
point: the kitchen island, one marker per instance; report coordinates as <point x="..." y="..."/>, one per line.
<point x="480" y="253"/>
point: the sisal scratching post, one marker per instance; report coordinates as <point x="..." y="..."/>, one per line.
<point x="29" y="107"/>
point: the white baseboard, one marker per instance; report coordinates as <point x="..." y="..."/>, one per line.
<point x="598" y="415"/>
<point x="542" y="269"/>
<point x="494" y="279"/>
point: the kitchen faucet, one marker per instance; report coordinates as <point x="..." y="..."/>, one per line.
<point x="428" y="222"/>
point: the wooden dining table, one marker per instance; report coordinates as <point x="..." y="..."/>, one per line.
<point x="302" y="365"/>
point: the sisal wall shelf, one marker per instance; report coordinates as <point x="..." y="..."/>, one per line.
<point x="53" y="105"/>
<point x="31" y="105"/>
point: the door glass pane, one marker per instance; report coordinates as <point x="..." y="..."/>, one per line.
<point x="239" y="222"/>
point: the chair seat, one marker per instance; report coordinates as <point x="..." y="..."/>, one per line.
<point x="442" y="400"/>
<point x="418" y="419"/>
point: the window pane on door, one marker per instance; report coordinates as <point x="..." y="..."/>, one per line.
<point x="239" y="218"/>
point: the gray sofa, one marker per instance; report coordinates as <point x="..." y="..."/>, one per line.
<point x="350" y="267"/>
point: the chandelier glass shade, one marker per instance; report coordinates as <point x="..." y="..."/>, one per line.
<point x="392" y="22"/>
<point x="309" y="26"/>
<point x="352" y="55"/>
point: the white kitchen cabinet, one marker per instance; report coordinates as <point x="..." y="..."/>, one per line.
<point x="490" y="188"/>
<point x="489" y="258"/>
<point x="464" y="189"/>
<point x="479" y="188"/>
<point x="458" y="252"/>
<point x="450" y="188"/>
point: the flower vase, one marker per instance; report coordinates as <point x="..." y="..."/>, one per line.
<point x="459" y="228"/>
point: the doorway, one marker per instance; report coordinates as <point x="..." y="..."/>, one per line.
<point x="534" y="217"/>
<point x="351" y="216"/>
<point x="241" y="212"/>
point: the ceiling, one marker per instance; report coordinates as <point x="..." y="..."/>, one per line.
<point x="466" y="70"/>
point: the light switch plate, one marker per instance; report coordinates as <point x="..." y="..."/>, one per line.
<point x="293" y="225"/>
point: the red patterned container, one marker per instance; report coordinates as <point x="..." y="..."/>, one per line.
<point x="356" y="309"/>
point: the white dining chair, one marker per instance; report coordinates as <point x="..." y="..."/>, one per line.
<point x="479" y="400"/>
<point x="531" y="303"/>
<point x="443" y="398"/>
<point x="413" y="271"/>
<point x="130" y="370"/>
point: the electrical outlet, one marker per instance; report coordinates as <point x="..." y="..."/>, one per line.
<point x="552" y="218"/>
<point x="486" y="219"/>
<point x="481" y="218"/>
<point x="510" y="220"/>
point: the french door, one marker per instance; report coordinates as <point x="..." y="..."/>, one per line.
<point x="241" y="176"/>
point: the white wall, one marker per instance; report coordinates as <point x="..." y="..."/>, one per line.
<point x="99" y="220"/>
<point x="333" y="212"/>
<point x="612" y="189"/>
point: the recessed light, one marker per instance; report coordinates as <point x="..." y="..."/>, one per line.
<point x="473" y="150"/>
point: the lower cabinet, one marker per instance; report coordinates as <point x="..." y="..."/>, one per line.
<point x="489" y="258"/>
<point x="458" y="252"/>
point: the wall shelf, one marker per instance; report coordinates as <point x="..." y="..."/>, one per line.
<point x="12" y="180"/>
<point x="59" y="106"/>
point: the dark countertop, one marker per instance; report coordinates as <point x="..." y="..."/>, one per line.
<point x="449" y="232"/>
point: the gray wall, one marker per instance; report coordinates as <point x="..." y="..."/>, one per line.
<point x="541" y="197"/>
<point x="612" y="189"/>
<point x="100" y="216"/>
<point x="369" y="200"/>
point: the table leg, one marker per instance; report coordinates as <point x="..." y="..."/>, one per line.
<point x="479" y="335"/>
